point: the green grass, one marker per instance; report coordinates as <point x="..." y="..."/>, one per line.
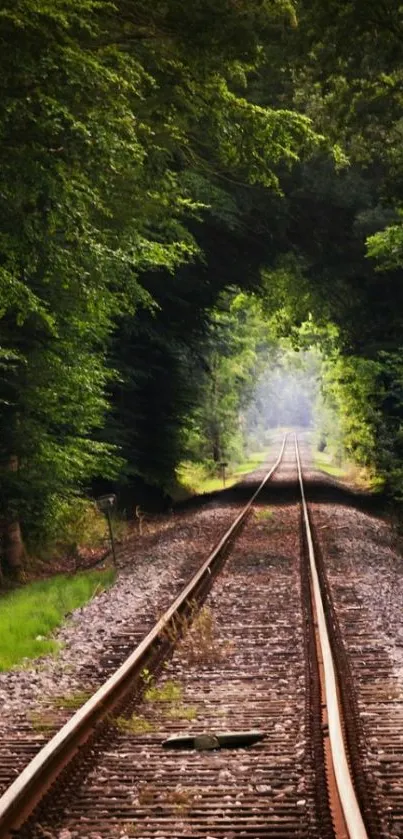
<point x="195" y="478"/>
<point x="183" y="712"/>
<point x="42" y="722"/>
<point x="359" y="476"/>
<point x="73" y="701"/>
<point x="264" y="514"/>
<point x="134" y="725"/>
<point x="323" y="462"/>
<point x="29" y="615"/>
<point x="168" y="692"/>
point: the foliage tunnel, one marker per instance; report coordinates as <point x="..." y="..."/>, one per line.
<point x="181" y="185"/>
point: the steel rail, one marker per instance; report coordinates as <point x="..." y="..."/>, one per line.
<point x="344" y="782"/>
<point x="26" y="791"/>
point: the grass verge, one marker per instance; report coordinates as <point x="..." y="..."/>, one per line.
<point x="358" y="476"/>
<point x="324" y="463"/>
<point x="195" y="479"/>
<point x="29" y="615"/>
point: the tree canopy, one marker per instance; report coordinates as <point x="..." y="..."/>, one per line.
<point x="155" y="158"/>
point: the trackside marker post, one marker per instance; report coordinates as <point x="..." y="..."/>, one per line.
<point x="106" y="503"/>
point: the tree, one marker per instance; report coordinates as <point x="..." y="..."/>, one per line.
<point x="121" y="128"/>
<point x="236" y="351"/>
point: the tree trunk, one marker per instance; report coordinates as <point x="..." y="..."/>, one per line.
<point x="214" y="425"/>
<point x="14" y="551"/>
<point x="216" y="450"/>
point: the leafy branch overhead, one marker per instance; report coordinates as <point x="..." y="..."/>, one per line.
<point x="154" y="156"/>
<point x="110" y="116"/>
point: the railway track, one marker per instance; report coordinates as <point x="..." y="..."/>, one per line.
<point x="256" y="656"/>
<point x="377" y="700"/>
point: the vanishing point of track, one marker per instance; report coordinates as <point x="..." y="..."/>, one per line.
<point x="264" y="653"/>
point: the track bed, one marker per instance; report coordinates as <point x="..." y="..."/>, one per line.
<point x="249" y="662"/>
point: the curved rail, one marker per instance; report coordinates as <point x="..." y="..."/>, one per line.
<point x="345" y="787"/>
<point x="26" y="791"/>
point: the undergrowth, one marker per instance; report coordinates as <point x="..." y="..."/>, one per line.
<point x="201" y="644"/>
<point x="30" y="614"/>
<point x="72" y="526"/>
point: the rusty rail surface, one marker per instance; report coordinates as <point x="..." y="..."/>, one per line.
<point x="340" y="759"/>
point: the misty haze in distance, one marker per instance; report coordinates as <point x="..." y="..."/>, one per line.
<point x="286" y="395"/>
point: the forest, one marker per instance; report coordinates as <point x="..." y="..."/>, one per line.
<point x="192" y="194"/>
